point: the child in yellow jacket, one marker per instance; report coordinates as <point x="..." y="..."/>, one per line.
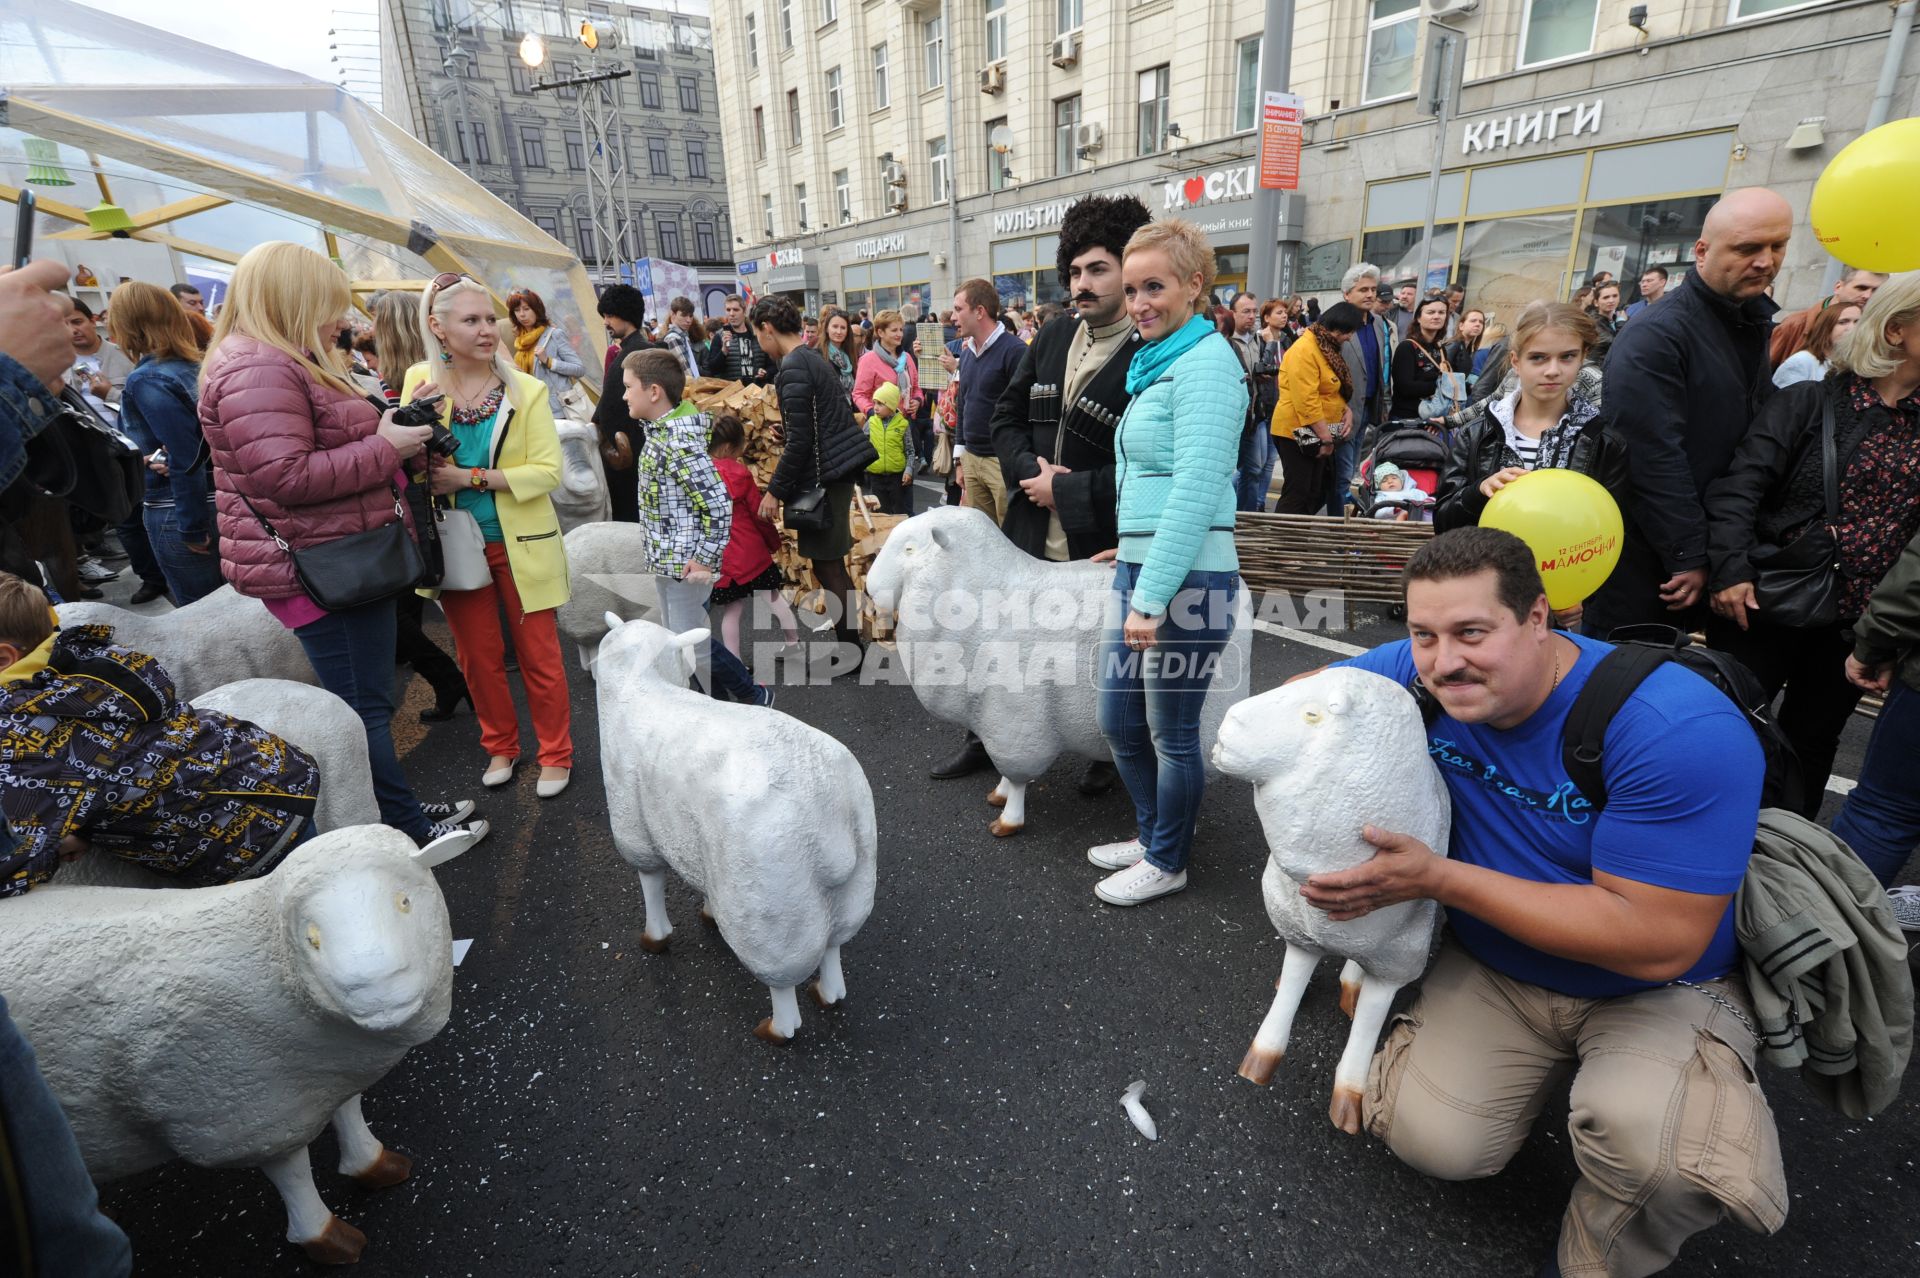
<point x="890" y="476"/>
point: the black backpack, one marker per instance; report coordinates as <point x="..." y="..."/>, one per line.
<point x="1638" y="652"/>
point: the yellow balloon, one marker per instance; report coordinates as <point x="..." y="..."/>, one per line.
<point x="1862" y="209"/>
<point x="1570" y="522"/>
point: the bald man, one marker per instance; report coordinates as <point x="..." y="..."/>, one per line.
<point x="1684" y="380"/>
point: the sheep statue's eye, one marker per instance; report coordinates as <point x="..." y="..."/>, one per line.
<point x="313" y="935"/>
<point x="1312" y="715"/>
<point x="403" y="902"/>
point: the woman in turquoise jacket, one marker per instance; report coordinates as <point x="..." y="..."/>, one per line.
<point x="1175" y="587"/>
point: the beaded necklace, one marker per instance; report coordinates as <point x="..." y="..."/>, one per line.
<point x="480" y="412"/>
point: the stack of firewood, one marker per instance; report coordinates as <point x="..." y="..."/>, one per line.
<point x="759" y="409"/>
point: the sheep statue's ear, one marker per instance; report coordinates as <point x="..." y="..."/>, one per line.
<point x="688" y="640"/>
<point x="615" y="620"/>
<point x="940" y="537"/>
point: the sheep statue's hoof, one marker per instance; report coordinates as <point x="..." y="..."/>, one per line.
<point x="1345" y="1110"/>
<point x="997" y="797"/>
<point x="652" y="946"/>
<point x="765" y="1030"/>
<point x="1258" y="1064"/>
<point x="706" y="915"/>
<point x="386" y="1171"/>
<point x="820" y="996"/>
<point x="338" y="1244"/>
<point x="1349" y="998"/>
<point x="1002" y="830"/>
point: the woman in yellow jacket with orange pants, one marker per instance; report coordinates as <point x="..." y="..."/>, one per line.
<point x="1312" y="414"/>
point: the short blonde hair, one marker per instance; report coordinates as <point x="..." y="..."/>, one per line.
<point x="885" y="319"/>
<point x="26" y="619"/>
<point x="1184" y="244"/>
<point x="282" y="294"/>
<point x="1867" y="352"/>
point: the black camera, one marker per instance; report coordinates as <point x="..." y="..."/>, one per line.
<point x="426" y="412"/>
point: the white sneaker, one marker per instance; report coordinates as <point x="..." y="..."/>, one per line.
<point x="93" y="572"/>
<point x="1906" y="906"/>
<point x="1117" y="856"/>
<point x="1138" y="883"/>
<point x="445" y="842"/>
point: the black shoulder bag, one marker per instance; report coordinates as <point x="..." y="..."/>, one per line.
<point x="808" y="511"/>
<point x="1798" y="585"/>
<point x="358" y="569"/>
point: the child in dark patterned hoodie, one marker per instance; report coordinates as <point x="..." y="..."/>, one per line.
<point x="96" y="753"/>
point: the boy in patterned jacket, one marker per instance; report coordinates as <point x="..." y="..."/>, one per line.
<point x="97" y="754"/>
<point x="686" y="513"/>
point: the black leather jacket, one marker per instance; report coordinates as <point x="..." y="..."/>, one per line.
<point x="1475" y="455"/>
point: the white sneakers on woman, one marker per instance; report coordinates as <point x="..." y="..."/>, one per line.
<point x="1138" y="884"/>
<point x="1116" y="856"/>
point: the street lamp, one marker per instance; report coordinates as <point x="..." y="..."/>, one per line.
<point x="609" y="203"/>
<point x="533" y="50"/>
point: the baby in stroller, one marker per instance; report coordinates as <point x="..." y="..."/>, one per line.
<point x="1401" y="474"/>
<point x="1398" y="497"/>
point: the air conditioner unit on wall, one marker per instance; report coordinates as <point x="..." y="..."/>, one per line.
<point x="1066" y="49"/>
<point x="896" y="199"/>
<point x="1088" y="138"/>
<point x="994" y="78"/>
<point x="895" y="173"/>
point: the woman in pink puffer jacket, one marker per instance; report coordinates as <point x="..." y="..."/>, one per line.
<point x="288" y="433"/>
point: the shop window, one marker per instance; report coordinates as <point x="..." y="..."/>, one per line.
<point x="1393" y="33"/>
<point x="1512" y="261"/>
<point x="1318" y="269"/>
<point x="1406" y="200"/>
<point x="1246" y="87"/>
<point x="1397" y="254"/>
<point x="1658" y="168"/>
<point x="1554" y="29"/>
<point x="1025" y="273"/>
<point x="1066" y="120"/>
<point x="1530" y="184"/>
<point x="1628" y="238"/>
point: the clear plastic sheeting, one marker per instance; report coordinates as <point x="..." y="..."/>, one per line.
<point x="210" y="153"/>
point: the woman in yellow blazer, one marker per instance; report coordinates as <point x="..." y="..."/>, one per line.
<point x="1312" y="415"/>
<point x="508" y="461"/>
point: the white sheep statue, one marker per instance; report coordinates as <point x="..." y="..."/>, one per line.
<point x="607" y="562"/>
<point x="770" y="819"/>
<point x="1360" y="741"/>
<point x="1006" y="645"/>
<point x="228" y="1025"/>
<point x="312" y="718"/>
<point x="214" y="640"/>
<point x="582" y="497"/>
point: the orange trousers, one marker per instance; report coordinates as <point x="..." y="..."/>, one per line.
<point x="475" y="618"/>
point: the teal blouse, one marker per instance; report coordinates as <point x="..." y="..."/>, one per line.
<point x="472" y="452"/>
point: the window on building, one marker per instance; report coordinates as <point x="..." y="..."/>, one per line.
<point x="938" y="176"/>
<point x="829" y="11"/>
<point x="649" y="90"/>
<point x="996" y="163"/>
<point x="706" y="246"/>
<point x="766" y="214"/>
<point x="1555" y="29"/>
<point x="1246" y="86"/>
<point x="533" y="146"/>
<point x="1066" y="119"/>
<point x="519" y="76"/>
<point x="882" y="91"/>
<point x="667" y="230"/>
<point x="1739" y="9"/>
<point x="1154" y="87"/>
<point x="565" y="71"/>
<point x="696" y="159"/>
<point x="843" y="195"/>
<point x="759" y="133"/>
<point x="1393" y="31"/>
<point x="1069" y="12"/>
<point x="548" y="223"/>
<point x="576" y="148"/>
<point x="786" y="24"/>
<point x="647" y="39"/>
<point x="657" y="163"/>
<point x="753" y="43"/>
<point x="583" y="233"/>
<point x="836" y="104"/>
<point x="933" y="38"/>
<point x="793" y="117"/>
<point x="996" y="30"/>
<point x="800" y="205"/>
<point x="690" y="94"/>
<point x="482" y="152"/>
<point x="683" y="37"/>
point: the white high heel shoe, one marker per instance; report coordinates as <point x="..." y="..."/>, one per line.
<point x="549" y="787"/>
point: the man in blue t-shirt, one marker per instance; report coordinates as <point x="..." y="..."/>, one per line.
<point x="1595" y="940"/>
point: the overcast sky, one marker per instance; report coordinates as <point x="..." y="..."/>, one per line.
<point x="287" y="33"/>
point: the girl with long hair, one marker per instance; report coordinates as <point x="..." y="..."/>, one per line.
<point x="840" y="343"/>
<point x="539" y="348"/>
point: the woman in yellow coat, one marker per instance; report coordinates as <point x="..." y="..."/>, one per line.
<point x="1312" y="415"/>
<point x="507" y="462"/>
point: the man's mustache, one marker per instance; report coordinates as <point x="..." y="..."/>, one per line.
<point x="1085" y="297"/>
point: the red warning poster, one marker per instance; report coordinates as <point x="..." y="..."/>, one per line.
<point x="1280" y="119"/>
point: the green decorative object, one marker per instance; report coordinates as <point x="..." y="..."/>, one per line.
<point x="108" y="218"/>
<point x="43" y="164"/>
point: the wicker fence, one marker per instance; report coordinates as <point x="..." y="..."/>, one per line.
<point x="1297" y="553"/>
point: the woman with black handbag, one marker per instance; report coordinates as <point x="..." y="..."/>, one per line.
<point x="307" y="477"/>
<point x="1821" y="498"/>
<point x="822" y="455"/>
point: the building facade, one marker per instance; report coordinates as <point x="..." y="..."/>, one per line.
<point x="884" y="150"/>
<point x="452" y="74"/>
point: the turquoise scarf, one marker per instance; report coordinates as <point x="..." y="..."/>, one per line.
<point x="1155" y="358"/>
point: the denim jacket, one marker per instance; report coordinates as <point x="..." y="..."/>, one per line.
<point x="160" y="408"/>
<point x="26" y="406"/>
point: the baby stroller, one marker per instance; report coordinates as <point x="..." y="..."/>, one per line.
<point x="1418" y="451"/>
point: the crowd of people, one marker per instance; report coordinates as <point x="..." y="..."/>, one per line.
<point x="1765" y="469"/>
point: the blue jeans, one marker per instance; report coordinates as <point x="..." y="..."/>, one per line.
<point x="1149" y="706"/>
<point x="1253" y="481"/>
<point x="1881" y="818"/>
<point x="66" y="1232"/>
<point x="133" y="540"/>
<point x="1346" y="460"/>
<point x="352" y="653"/>
<point x="683" y="607"/>
<point x="189" y="576"/>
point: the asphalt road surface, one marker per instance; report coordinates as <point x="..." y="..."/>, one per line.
<point x="595" y="1110"/>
